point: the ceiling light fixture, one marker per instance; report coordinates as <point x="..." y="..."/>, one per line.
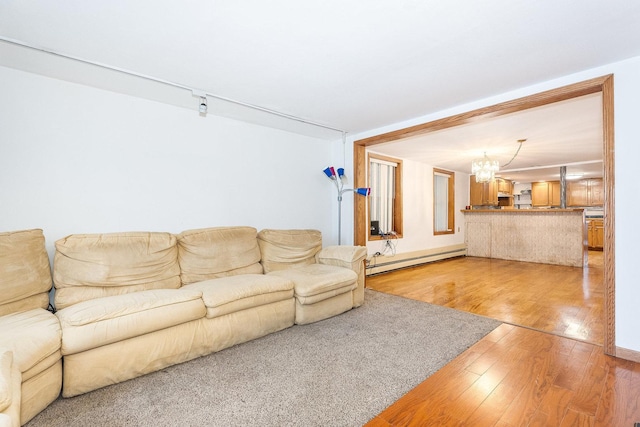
<point x="574" y="176"/>
<point x="485" y="169"/>
<point x="203" y="105"/>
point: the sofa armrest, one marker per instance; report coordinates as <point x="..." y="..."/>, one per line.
<point x="5" y="420"/>
<point x="10" y="390"/>
<point x="6" y="363"/>
<point x="343" y="256"/>
<point x="351" y="257"/>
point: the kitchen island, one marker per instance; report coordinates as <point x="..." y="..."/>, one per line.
<point x="548" y="236"/>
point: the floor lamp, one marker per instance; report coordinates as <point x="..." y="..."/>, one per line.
<point x="339" y="180"/>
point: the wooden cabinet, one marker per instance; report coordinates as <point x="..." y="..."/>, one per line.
<point x="585" y="192"/>
<point x="539" y="194"/>
<point x="482" y="194"/>
<point x="505" y="192"/>
<point x="554" y="193"/>
<point x="504" y="186"/>
<point x="595" y="233"/>
<point x="577" y="193"/>
<point x="596" y="192"/>
<point x="545" y="193"/>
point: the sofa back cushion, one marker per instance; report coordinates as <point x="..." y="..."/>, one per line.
<point x="208" y="253"/>
<point x="283" y="249"/>
<point x="89" y="266"/>
<point x="25" y="273"/>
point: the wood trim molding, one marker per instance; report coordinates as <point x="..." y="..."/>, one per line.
<point x="536" y="100"/>
<point x="397" y="202"/>
<point x="609" y="215"/>
<point x="625" y="353"/>
<point x="602" y="84"/>
<point x="451" y="205"/>
<point x="360" y="231"/>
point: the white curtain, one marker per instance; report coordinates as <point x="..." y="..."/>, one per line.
<point x="382" y="183"/>
<point x="441" y="201"/>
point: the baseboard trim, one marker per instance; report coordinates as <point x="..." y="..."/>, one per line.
<point x="382" y="264"/>
<point x="625" y="353"/>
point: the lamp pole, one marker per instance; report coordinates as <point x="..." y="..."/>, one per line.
<point x="338" y="179"/>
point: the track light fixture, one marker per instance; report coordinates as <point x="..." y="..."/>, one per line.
<point x="203" y="105"/>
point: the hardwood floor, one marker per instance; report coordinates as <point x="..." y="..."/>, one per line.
<point x="561" y="300"/>
<point x="518" y="376"/>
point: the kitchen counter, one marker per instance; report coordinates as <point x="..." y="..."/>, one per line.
<point x="523" y="211"/>
<point x="548" y="236"/>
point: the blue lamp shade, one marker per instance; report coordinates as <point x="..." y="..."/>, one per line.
<point x="340" y="172"/>
<point x="363" y="191"/>
<point x="330" y="172"/>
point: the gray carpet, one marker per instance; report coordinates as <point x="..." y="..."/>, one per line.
<point x="341" y="371"/>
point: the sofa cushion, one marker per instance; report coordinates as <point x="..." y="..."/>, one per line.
<point x="33" y="336"/>
<point x="317" y="282"/>
<point x="88" y="266"/>
<point x="209" y="253"/>
<point x="107" y="320"/>
<point x="234" y="293"/>
<point x="25" y="275"/>
<point x="283" y="249"/>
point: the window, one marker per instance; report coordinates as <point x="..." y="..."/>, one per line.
<point x="385" y="200"/>
<point x="443" y="202"/>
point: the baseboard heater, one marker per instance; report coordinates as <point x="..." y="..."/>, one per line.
<point x="382" y="264"/>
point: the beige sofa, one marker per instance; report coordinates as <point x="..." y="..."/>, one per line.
<point x="133" y="303"/>
<point x="30" y="336"/>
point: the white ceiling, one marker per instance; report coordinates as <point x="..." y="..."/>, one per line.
<point x="567" y="133"/>
<point x="350" y="65"/>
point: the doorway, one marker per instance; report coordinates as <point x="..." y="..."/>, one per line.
<point x="602" y="84"/>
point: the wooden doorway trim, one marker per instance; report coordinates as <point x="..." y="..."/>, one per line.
<point x="602" y="84"/>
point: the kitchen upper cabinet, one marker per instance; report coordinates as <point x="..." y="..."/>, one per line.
<point x="577" y="193"/>
<point x="554" y="193"/>
<point x="585" y="192"/>
<point x="504" y="186"/>
<point x="482" y="194"/>
<point x="545" y="193"/>
<point x="596" y="192"/>
<point x="539" y="194"/>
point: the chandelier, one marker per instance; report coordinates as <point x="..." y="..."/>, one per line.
<point x="484" y="169"/>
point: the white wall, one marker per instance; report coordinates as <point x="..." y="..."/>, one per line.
<point x="75" y="159"/>
<point x="627" y="204"/>
<point x="417" y="198"/>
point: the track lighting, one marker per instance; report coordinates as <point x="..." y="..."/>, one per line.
<point x="203" y="105"/>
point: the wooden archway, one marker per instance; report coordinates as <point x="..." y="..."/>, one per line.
<point x="602" y="84"/>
